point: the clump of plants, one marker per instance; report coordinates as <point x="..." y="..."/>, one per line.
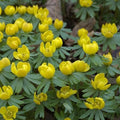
<point x="36" y="74"/>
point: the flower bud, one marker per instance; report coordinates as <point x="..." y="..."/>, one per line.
<point x="6" y="92"/>
<point x="90" y="48"/>
<point x="21" y="70"/>
<point x="13" y="42"/>
<point x="21" y="9"/>
<point x="86" y="3"/>
<point x="108" y="30"/>
<point x="47" y="71"/>
<point x="66" y="67"/>
<point x="11" y="29"/>
<point x="58" y="42"/>
<point x="81" y="66"/>
<point x="2" y="26"/>
<point x="10" y="10"/>
<point x="109" y="59"/>
<point x="58" y="24"/>
<point x="19" y="22"/>
<point x="27" y="27"/>
<point x="43" y="27"/>
<point x="82" y="31"/>
<point x="118" y="80"/>
<point x="84" y="39"/>
<point x="1" y="36"/>
<point x="0" y="10"/>
<point x="47" y="36"/>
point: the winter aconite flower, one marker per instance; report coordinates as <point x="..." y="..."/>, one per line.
<point x="109" y="59"/>
<point x="6" y="92"/>
<point x="84" y="39"/>
<point x="47" y="71"/>
<point x="58" y="42"/>
<point x="86" y="3"/>
<point x="40" y="98"/>
<point x="21" y="70"/>
<point x="19" y="22"/>
<point x="21" y="9"/>
<point x="65" y="92"/>
<point x="118" y="80"/>
<point x="27" y="27"/>
<point x="1" y="36"/>
<point x="47" y="49"/>
<point x="95" y="103"/>
<point x="0" y="10"/>
<point x="108" y="30"/>
<point x="13" y="42"/>
<point x="22" y="53"/>
<point x="58" y="24"/>
<point x="47" y="36"/>
<point x="9" y="113"/>
<point x="10" y="10"/>
<point x="81" y="66"/>
<point x="100" y="82"/>
<point x="67" y="118"/>
<point x="66" y="67"/>
<point x="43" y="27"/>
<point x="2" y="26"/>
<point x="90" y="48"/>
<point x="4" y="62"/>
<point x="11" y="29"/>
<point x="82" y="31"/>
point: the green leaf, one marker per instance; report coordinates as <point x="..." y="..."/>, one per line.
<point x="101" y="115"/>
<point x="58" y="82"/>
<point x="47" y="86"/>
<point x="68" y="107"/>
<point x="29" y="107"/>
<point x="86" y="114"/>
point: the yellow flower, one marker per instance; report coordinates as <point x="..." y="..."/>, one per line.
<point x="58" y="42"/>
<point x="40" y="98"/>
<point x="21" y="9"/>
<point x="58" y="24"/>
<point x="90" y="48"/>
<point x="67" y="118"/>
<point x="43" y="27"/>
<point x="95" y="103"/>
<point x="27" y="27"/>
<point x="47" y="20"/>
<point x="0" y="10"/>
<point x="21" y="70"/>
<point x="22" y="53"/>
<point x="66" y="67"/>
<point x="2" y="26"/>
<point x="30" y="10"/>
<point x="47" y="71"/>
<point x="9" y="113"/>
<point x="4" y="62"/>
<point x="47" y="36"/>
<point x="19" y="22"/>
<point x="42" y="14"/>
<point x="108" y="30"/>
<point x="86" y="3"/>
<point x="11" y="29"/>
<point x="35" y="9"/>
<point x="6" y="92"/>
<point x="81" y="66"/>
<point x="1" y="36"/>
<point x="82" y="31"/>
<point x="48" y="49"/>
<point x="10" y="10"/>
<point x="109" y="59"/>
<point x="118" y="80"/>
<point x="84" y="39"/>
<point x="65" y="92"/>
<point x="13" y="42"/>
<point x="100" y="82"/>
